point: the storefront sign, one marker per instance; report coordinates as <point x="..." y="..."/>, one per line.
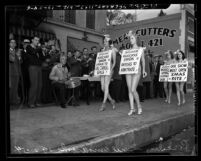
<point x="130" y="61"/>
<point x="103" y="61"/>
<point x="158" y="34"/>
<point x="178" y="72"/>
<point x="164" y="73"/>
<point x="150" y="31"/>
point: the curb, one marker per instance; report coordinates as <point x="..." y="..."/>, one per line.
<point x="132" y="139"/>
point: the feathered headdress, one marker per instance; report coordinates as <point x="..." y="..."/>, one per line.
<point x="131" y="33"/>
<point x="107" y="37"/>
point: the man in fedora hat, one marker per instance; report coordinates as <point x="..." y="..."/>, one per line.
<point x="25" y="72"/>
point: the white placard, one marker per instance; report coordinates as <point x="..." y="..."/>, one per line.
<point x="130" y="60"/>
<point x="178" y="72"/>
<point x="103" y="61"/>
<point x="164" y="73"/>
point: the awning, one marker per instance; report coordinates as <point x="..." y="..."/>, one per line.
<point x="74" y="44"/>
<point x="30" y="32"/>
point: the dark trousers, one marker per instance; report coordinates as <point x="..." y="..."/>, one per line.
<point x="158" y="88"/>
<point x="35" y="75"/>
<point x="86" y="90"/>
<point x="140" y="92"/>
<point x="14" y="97"/>
<point x="147" y="89"/>
<point x="124" y="89"/>
<point x="61" y="92"/>
<point x="26" y="84"/>
<point x="98" y="92"/>
<point x="116" y="89"/>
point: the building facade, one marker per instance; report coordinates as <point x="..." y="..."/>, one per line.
<point x="76" y="29"/>
<point x="170" y="32"/>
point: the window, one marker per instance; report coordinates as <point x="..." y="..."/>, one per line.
<point x="90" y="19"/>
<point x="190" y="25"/>
<point x="69" y="16"/>
<point x="50" y="13"/>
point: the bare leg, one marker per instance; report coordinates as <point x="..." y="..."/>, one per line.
<point x="169" y="92"/>
<point x="130" y="94"/>
<point x="182" y="92"/>
<point x="103" y="89"/>
<point x="107" y="93"/>
<point x="166" y="90"/>
<point x="135" y="82"/>
<point x="102" y="83"/>
<point x="178" y="93"/>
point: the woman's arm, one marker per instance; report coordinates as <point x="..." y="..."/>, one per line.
<point x="143" y="64"/>
<point x="143" y="61"/>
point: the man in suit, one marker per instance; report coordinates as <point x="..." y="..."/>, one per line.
<point x="157" y="84"/>
<point x="87" y="68"/>
<point x="76" y="71"/>
<point x="117" y="80"/>
<point x="14" y="72"/>
<point x="147" y="79"/>
<point x="35" y="59"/>
<point x="25" y="71"/>
<point x="152" y="72"/>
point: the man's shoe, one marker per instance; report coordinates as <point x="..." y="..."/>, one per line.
<point x="63" y="106"/>
<point x="31" y="106"/>
<point x="37" y="104"/>
<point x="76" y="104"/>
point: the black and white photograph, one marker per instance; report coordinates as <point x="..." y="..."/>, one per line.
<point x="101" y="79"/>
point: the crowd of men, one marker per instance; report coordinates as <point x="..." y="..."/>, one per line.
<point x="26" y="63"/>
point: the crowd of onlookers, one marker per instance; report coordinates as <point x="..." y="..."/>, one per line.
<point x="27" y="61"/>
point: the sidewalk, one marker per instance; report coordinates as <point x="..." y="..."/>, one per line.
<point x="53" y="129"/>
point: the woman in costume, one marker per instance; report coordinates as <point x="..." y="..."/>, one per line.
<point x="133" y="79"/>
<point x="105" y="79"/>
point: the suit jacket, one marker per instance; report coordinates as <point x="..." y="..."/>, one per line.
<point x="116" y="68"/>
<point x="14" y="64"/>
<point x="158" y="70"/>
<point x="75" y="67"/>
<point x="147" y="69"/>
<point x="87" y="66"/>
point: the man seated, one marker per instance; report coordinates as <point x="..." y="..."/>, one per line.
<point x="59" y="76"/>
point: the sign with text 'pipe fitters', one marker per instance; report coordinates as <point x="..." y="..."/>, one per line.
<point x="103" y="61"/>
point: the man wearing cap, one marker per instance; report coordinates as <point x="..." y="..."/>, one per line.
<point x="25" y="72"/>
<point x="35" y="59"/>
<point x="14" y="73"/>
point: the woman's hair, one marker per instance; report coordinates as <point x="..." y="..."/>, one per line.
<point x="171" y="54"/>
<point x="131" y="33"/>
<point x="110" y="42"/>
<point x="122" y="48"/>
<point x="183" y="55"/>
<point x="63" y="54"/>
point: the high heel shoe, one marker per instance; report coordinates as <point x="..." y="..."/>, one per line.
<point x="184" y="101"/>
<point x="132" y="111"/>
<point x="169" y="101"/>
<point x="102" y="108"/>
<point x="178" y="104"/>
<point x="113" y="104"/>
<point x="139" y="111"/>
<point x="166" y="100"/>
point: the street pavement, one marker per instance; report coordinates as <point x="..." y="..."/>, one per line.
<point x="43" y="129"/>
